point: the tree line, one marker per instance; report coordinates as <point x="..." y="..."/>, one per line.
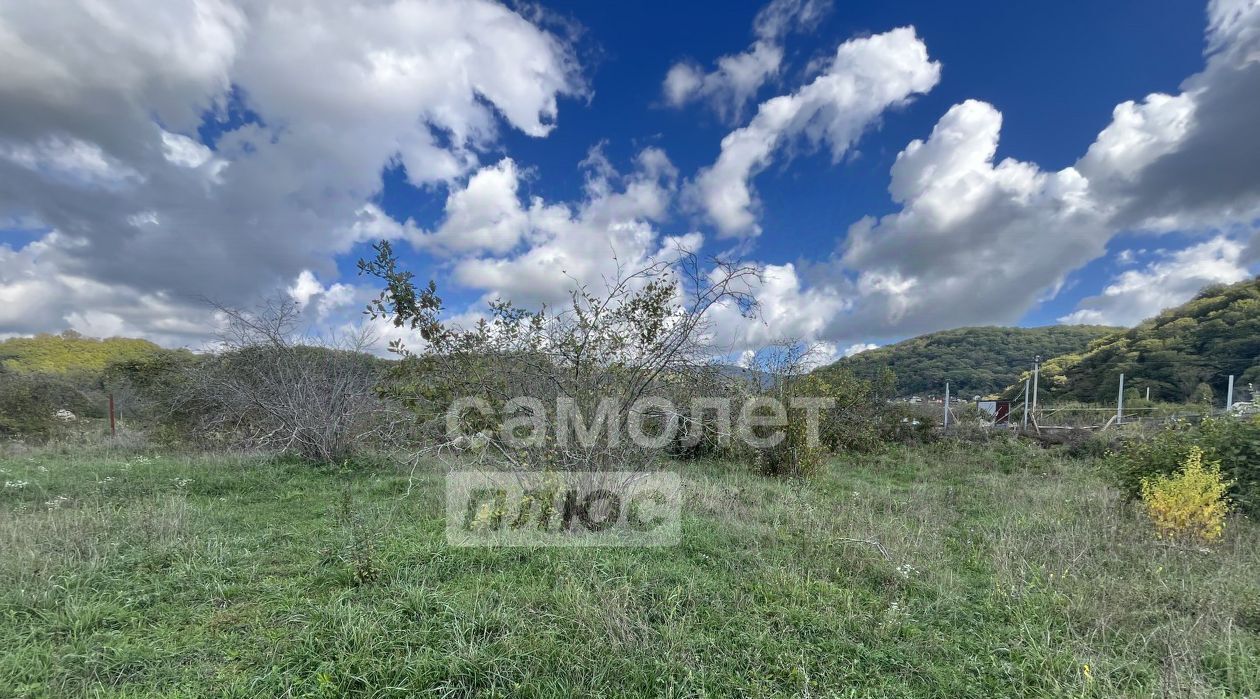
<point x="1184" y="354"/>
<point x="976" y="361"/>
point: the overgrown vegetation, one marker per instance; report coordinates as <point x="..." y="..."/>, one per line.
<point x="265" y="386"/>
<point x="1010" y="571"/>
<point x="269" y="387"/>
<point x="29" y="403"/>
<point x="851" y="414"/>
<point x="883" y="559"/>
<point x="47" y="382"/>
<point x="564" y="388"/>
<point x="642" y="339"/>
<point x="1190" y="504"/>
<point x="1234" y="443"/>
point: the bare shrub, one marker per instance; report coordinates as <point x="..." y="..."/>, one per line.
<point x="268" y="387"/>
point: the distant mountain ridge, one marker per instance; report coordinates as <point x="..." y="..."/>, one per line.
<point x="1185" y="353"/>
<point x="976" y="361"/>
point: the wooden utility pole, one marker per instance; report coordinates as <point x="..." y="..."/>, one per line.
<point x="113" y="429"/>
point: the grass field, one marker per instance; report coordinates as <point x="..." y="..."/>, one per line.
<point x="1013" y="572"/>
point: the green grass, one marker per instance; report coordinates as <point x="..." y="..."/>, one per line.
<point x="1012" y="570"/>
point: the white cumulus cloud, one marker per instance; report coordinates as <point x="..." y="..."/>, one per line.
<point x="865" y="77"/>
<point x="975" y="241"/>
<point x="736" y="78"/>
<point x="978" y="241"/>
<point x="220" y="148"/>
<point x="1138" y="294"/>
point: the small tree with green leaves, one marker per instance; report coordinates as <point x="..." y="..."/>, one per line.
<point x="641" y="335"/>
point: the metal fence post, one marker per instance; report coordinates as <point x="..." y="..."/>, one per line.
<point x="1120" y="402"/>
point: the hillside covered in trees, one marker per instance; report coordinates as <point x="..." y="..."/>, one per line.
<point x="1183" y="354"/>
<point x="72" y="353"/>
<point x="44" y="374"/>
<point x="976" y="361"/>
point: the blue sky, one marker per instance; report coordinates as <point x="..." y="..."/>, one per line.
<point x="265" y="150"/>
<point x="1056" y="70"/>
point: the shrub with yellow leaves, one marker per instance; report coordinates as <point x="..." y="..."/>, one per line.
<point x="1190" y="504"/>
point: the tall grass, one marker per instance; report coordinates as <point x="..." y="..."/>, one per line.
<point x="938" y="571"/>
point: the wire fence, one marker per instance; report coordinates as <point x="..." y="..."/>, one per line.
<point x="1025" y="411"/>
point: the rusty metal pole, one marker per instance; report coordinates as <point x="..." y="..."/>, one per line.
<point x="113" y="429"/>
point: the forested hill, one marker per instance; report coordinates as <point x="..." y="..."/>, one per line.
<point x="1183" y="354"/>
<point x="71" y="352"/>
<point x="976" y="361"/>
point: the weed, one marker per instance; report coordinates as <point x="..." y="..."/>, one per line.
<point x="1191" y="504"/>
<point x="360" y="551"/>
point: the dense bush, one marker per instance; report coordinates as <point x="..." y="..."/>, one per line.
<point x="795" y="454"/>
<point x="147" y="386"/>
<point x="266" y="387"/>
<point x="1190" y="505"/>
<point x="1233" y="442"/>
<point x="316" y="402"/>
<point x="860" y="418"/>
<point x="29" y="403"/>
<point x="1084" y="444"/>
<point x="907" y="423"/>
<point x="854" y="421"/>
